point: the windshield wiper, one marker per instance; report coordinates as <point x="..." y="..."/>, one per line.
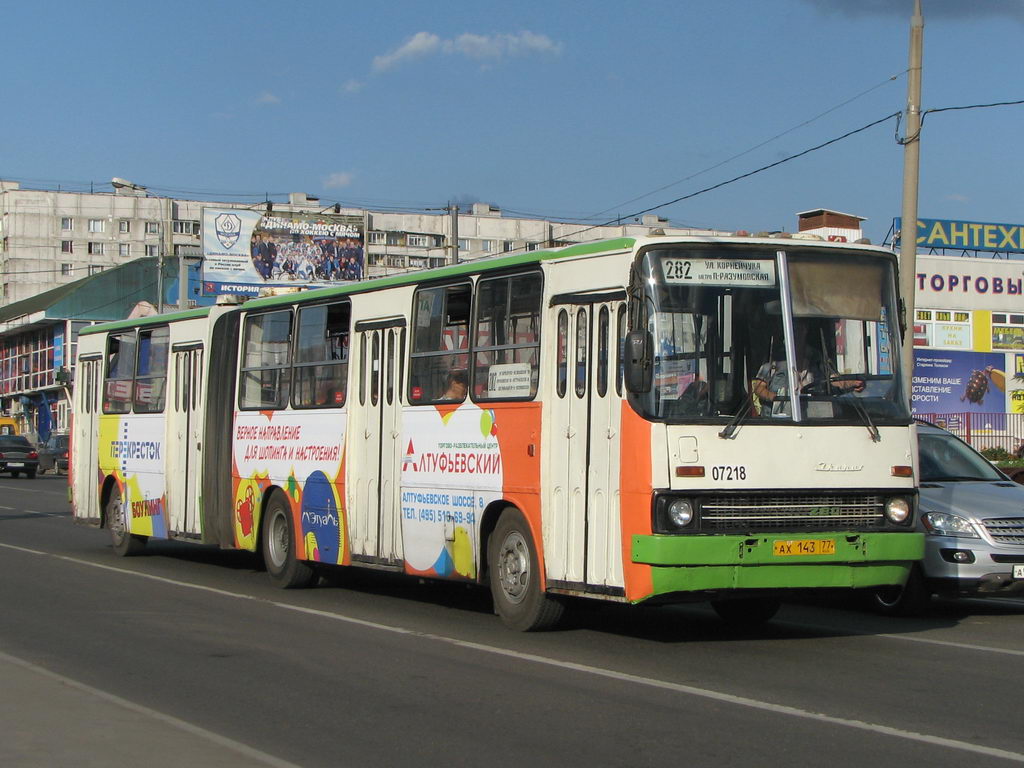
<point x="858" y="406"/>
<point x="735" y="421"/>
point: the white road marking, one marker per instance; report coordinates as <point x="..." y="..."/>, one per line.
<point x="195" y="730"/>
<point x="727" y="698"/>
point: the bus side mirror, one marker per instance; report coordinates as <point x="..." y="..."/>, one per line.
<point x="639" y="353"/>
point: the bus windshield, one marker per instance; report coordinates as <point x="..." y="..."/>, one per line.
<point x="738" y="330"/>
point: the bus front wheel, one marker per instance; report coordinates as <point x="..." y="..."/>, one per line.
<point x="285" y="569"/>
<point x="124" y="543"/>
<point x="514" y="571"/>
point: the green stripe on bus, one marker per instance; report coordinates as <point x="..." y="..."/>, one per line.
<point x="753" y="550"/>
<point x="666" y="580"/>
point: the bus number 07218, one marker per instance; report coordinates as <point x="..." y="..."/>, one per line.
<point x="729" y="473"/>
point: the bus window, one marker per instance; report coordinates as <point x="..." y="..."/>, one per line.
<point x="151" y="370"/>
<point x="266" y="374"/>
<point x="562" y="363"/>
<point x="440" y="342"/>
<point x="117" y="388"/>
<point x="507" y="341"/>
<point x="581" y="353"/>
<point x="602" y="351"/>
<point x="321" y="356"/>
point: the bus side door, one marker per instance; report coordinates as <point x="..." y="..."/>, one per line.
<point x="584" y="451"/>
<point x="375" y="460"/>
<point x="186" y="430"/>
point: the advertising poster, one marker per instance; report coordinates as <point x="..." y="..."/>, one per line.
<point x="1015" y="384"/>
<point x="949" y="381"/>
<point x="245" y="251"/>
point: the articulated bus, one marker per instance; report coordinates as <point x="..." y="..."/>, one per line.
<point x="588" y="421"/>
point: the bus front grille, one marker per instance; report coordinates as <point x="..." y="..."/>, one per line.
<point x="793" y="512"/>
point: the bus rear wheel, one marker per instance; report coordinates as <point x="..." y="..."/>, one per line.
<point x="124" y="543"/>
<point x="514" y="571"/>
<point x="284" y="568"/>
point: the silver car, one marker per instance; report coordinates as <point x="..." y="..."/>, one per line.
<point x="973" y="518"/>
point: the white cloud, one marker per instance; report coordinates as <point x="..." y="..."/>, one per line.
<point x="487" y="48"/>
<point x="957" y="198"/>
<point x="419" y="45"/>
<point x="352" y="86"/>
<point x="338" y="179"/>
<point x="267" y="98"/>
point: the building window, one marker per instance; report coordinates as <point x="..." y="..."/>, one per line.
<point x="152" y="251"/>
<point x="124" y="226"/>
<point x="376" y="238"/>
<point x="509" y="246"/>
<point x="487" y="246"/>
<point x="419" y="241"/>
<point x="96" y="225"/>
<point x="66" y="246"/>
<point x="124" y="249"/>
<point x="942" y="329"/>
<point x="67" y="224"/>
<point x="152" y="227"/>
<point x="66" y="269"/>
<point x="185" y="227"/>
<point x="95" y="269"/>
<point x="96" y="249"/>
<point x="463" y="244"/>
<point x="1008" y="331"/>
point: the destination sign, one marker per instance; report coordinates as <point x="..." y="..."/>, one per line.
<point x="759" y="273"/>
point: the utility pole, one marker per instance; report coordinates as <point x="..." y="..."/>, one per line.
<point x="453" y="211"/>
<point x="911" y="175"/>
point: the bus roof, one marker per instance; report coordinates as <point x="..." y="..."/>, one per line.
<point x="489" y="264"/>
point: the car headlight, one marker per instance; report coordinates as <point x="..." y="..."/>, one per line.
<point x="945" y="524"/>
<point x="897" y="510"/>
<point x="680" y="513"/>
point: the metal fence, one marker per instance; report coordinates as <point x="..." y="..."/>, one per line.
<point x="982" y="430"/>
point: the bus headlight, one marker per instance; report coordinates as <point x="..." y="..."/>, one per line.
<point x="680" y="513"/>
<point x="897" y="510"/>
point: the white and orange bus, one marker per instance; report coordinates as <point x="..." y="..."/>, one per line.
<point x="576" y="422"/>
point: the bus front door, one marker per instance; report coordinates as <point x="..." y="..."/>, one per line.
<point x="586" y="549"/>
<point x="376" y="465"/>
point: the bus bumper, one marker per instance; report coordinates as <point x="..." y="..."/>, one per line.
<point x="775" y="561"/>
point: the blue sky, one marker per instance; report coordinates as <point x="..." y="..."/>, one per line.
<point x="571" y="110"/>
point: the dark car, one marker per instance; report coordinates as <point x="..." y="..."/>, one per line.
<point x="53" y="454"/>
<point x="18" y="455"/>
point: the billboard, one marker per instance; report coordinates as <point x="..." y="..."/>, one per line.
<point x="245" y="251"/>
<point x="950" y="381"/>
<point x="967" y="235"/>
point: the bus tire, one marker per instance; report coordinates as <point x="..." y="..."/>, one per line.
<point x="912" y="599"/>
<point x="514" y="574"/>
<point x="125" y="544"/>
<point x="746" y="612"/>
<point x="284" y="568"/>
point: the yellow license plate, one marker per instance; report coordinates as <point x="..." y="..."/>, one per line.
<point x="798" y="547"/>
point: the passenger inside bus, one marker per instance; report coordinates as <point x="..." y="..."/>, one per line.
<point x="456" y="385"/>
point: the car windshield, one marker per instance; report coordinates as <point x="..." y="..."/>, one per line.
<point x="945" y="458"/>
<point x="13" y="443"/>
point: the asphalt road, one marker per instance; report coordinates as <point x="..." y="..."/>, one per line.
<point x="187" y="656"/>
